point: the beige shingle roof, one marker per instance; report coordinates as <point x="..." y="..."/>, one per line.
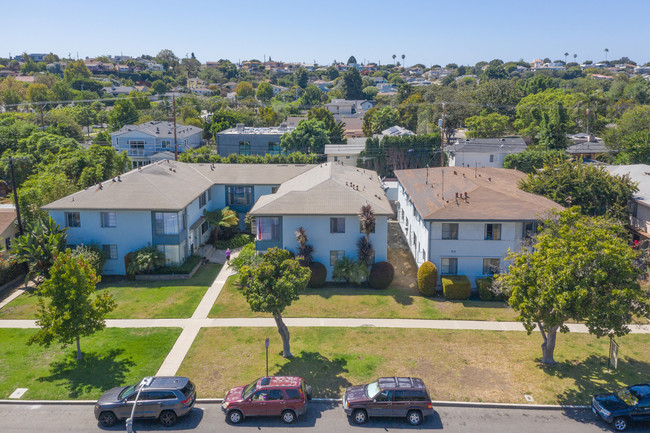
<point x="328" y="189"/>
<point x="493" y="194"/>
<point x="172" y="185"/>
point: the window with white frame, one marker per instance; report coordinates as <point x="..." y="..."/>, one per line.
<point x="108" y="219"/>
<point x="449" y="266"/>
<point x="110" y="251"/>
<point x="492" y="232"/>
<point x="491" y="266"/>
<point x="337" y="225"/>
<point x="168" y="223"/>
<point x="336" y="255"/>
<point x="450" y="230"/>
<point x="72" y="219"/>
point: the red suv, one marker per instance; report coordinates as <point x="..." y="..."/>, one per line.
<point x="284" y="396"/>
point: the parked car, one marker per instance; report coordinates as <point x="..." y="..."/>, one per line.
<point x="164" y="398"/>
<point x="388" y="396"/>
<point x="284" y="396"/>
<point x="623" y="406"/>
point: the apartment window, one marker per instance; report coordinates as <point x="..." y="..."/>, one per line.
<point x="491" y="158"/>
<point x="72" y="219"/>
<point x="274" y="148"/>
<point x="335" y="256"/>
<point x="492" y="232"/>
<point x="172" y="253"/>
<point x="110" y="251"/>
<point x="491" y="266"/>
<point x="449" y="266"/>
<point x="203" y="199"/>
<point x="337" y="225"/>
<point x="361" y="230"/>
<point x="209" y="194"/>
<point x="205" y="227"/>
<point x="450" y="230"/>
<point x="108" y="219"/>
<point x="240" y="195"/>
<point x="136" y="148"/>
<point x="244" y="148"/>
<point x="169" y="223"/>
<point x="166" y="144"/>
<point x="528" y="230"/>
<point x="268" y="228"/>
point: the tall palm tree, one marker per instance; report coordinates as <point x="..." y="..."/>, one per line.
<point x="565" y="57"/>
<point x="367" y="219"/>
<point x="394" y="57"/>
<point x="403" y="57"/>
<point x="575" y="56"/>
<point x="221" y="218"/>
<point x="606" y="51"/>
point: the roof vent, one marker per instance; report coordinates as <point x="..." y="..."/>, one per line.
<point x="119" y="179"/>
<point x="503" y="139"/>
<point x="489" y="179"/>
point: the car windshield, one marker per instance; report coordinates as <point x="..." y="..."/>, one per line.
<point x="249" y="389"/>
<point x="628" y="396"/>
<point x="127" y="392"/>
<point x="372" y="389"/>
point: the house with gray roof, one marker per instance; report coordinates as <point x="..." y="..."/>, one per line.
<point x="326" y="201"/>
<point x="162" y="204"/>
<point x="466" y="219"/>
<point x="346" y="154"/>
<point x="142" y="142"/>
<point x="483" y="152"/>
<point x="586" y="146"/>
<point x="246" y="140"/>
<point x="640" y="204"/>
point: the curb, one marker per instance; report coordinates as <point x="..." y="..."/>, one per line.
<point x="338" y="400"/>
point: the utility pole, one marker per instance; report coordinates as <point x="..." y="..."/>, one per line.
<point x="442" y="131"/>
<point x="11" y="160"/>
<point x="175" y="142"/>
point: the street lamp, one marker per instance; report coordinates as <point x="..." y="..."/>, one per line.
<point x="129" y="422"/>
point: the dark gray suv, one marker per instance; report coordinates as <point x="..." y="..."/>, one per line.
<point x="165" y="398"/>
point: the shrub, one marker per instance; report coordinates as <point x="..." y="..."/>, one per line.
<point x="145" y="260"/>
<point x="350" y="271"/>
<point x="239" y="240"/>
<point x="486" y="292"/>
<point x="185" y="268"/>
<point x="318" y="275"/>
<point x="381" y="275"/>
<point x="94" y="254"/>
<point x="456" y="287"/>
<point x="10" y="270"/>
<point x="427" y="279"/>
<point x="246" y="257"/>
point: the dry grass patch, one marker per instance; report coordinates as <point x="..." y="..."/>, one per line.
<point x="456" y="365"/>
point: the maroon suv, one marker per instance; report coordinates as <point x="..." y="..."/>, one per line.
<point x="388" y="396"/>
<point x="284" y="396"/>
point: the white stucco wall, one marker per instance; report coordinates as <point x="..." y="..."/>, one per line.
<point x="413" y="226"/>
<point x="477" y="159"/>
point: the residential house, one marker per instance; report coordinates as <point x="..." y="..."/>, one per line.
<point x="640" y="204"/>
<point x="143" y="141"/>
<point x="346" y="154"/>
<point x="586" y="147"/>
<point x="326" y="201"/>
<point x="195" y="83"/>
<point x="8" y="226"/>
<point x="277" y="89"/>
<point x="202" y="91"/>
<point x="245" y="140"/>
<point x="466" y="219"/>
<point x="162" y="205"/>
<point x="348" y="107"/>
<point x="483" y="152"/>
<point x="119" y="90"/>
<point x="395" y="131"/>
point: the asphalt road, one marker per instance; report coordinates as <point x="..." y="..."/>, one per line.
<point x="320" y="418"/>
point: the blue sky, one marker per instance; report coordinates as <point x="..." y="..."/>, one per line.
<point x="428" y="32"/>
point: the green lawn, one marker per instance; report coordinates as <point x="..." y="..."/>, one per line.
<point x="112" y="357"/>
<point x="456" y="365"/>
<point x="137" y="299"/>
<point x="367" y="303"/>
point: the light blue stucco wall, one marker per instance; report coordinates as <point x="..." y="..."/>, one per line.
<point x="133" y="230"/>
<point x="153" y="145"/>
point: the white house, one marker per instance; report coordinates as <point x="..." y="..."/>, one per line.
<point x="640" y="205"/>
<point x="143" y="141"/>
<point x="326" y="201"/>
<point x="465" y="220"/>
<point x="162" y="205"/>
<point x="346" y="154"/>
<point x="483" y="152"/>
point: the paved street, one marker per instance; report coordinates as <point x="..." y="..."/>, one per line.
<point x="321" y="418"/>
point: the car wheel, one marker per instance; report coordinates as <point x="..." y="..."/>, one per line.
<point x="235" y="416"/>
<point x="107" y="419"/>
<point x="414" y="417"/>
<point x="168" y="418"/>
<point x="620" y="423"/>
<point x="360" y="416"/>
<point x="288" y="416"/>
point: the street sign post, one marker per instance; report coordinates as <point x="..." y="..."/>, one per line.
<point x="613" y="354"/>
<point x="267" y="342"/>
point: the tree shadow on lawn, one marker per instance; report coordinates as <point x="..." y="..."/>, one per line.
<point x="203" y="277"/>
<point x="346" y="289"/>
<point x="591" y="377"/>
<point x="96" y="371"/>
<point x="323" y="374"/>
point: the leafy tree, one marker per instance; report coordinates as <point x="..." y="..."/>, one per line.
<point x="487" y="126"/>
<point x="75" y="70"/>
<point x="264" y="91"/>
<point x="352" y="85"/>
<point x="629" y="133"/>
<point x="310" y="136"/>
<point x="334" y="127"/>
<point x="38" y="247"/>
<point x="221" y="218"/>
<point x="538" y="83"/>
<point x="301" y="77"/>
<point x="553" y="128"/>
<point x="270" y="117"/>
<point x="531" y="160"/>
<point x="531" y="108"/>
<point x="591" y="187"/>
<point x="370" y="92"/>
<point x="312" y="96"/>
<point x="68" y="307"/>
<point x="11" y="91"/>
<point x="244" y="90"/>
<point x="399" y="153"/>
<point x="383" y="118"/>
<point x="580" y="268"/>
<point x="332" y="73"/>
<point x="123" y="113"/>
<point x="159" y="87"/>
<point x="272" y="285"/>
<point x="40" y="189"/>
<point x="224" y="119"/>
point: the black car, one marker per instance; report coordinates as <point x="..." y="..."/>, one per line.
<point x="623" y="406"/>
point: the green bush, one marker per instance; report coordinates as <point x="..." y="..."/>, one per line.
<point x="484" y="290"/>
<point x="246" y="257"/>
<point x="185" y="268"/>
<point x="10" y="270"/>
<point x="318" y="275"/>
<point x="239" y="240"/>
<point x="381" y="275"/>
<point x="93" y="253"/>
<point x="456" y="287"/>
<point x="350" y="271"/>
<point x="145" y="260"/>
<point x="427" y="279"/>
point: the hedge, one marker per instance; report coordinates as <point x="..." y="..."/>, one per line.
<point x="381" y="275"/>
<point x="185" y="268"/>
<point x="318" y="275"/>
<point x="427" y="279"/>
<point x="10" y="270"/>
<point x="456" y="287"/>
<point x="484" y="292"/>
<point x="239" y="240"/>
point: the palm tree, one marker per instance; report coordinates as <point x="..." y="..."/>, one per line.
<point x="224" y="218"/>
<point x="367" y="219"/>
<point x="606" y="51"/>
<point x="305" y="251"/>
<point x="565" y="57"/>
<point x="575" y="56"/>
<point x="403" y="57"/>
<point x="394" y="57"/>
